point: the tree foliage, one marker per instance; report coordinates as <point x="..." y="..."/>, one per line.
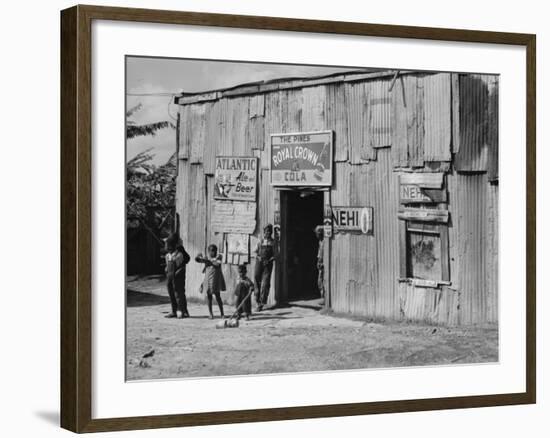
<point x="148" y="129"/>
<point x="150" y="188"/>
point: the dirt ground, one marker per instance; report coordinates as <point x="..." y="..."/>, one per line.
<point x="288" y="339"/>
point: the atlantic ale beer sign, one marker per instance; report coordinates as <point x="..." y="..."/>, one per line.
<point x="236" y="178"/>
<point x="301" y="159"/>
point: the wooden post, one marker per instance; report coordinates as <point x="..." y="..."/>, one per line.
<point x="326" y="254"/>
<point x="279" y="263"/>
<point x="403" y="249"/>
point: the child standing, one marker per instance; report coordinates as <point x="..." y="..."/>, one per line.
<point x="213" y="282"/>
<point x="243" y="291"/>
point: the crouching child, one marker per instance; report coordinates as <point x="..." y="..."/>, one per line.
<point x="244" y="288"/>
<point x="213" y="282"/>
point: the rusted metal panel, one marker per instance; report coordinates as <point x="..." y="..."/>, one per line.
<point x="212" y="136"/>
<point x="408" y="121"/>
<point x="356" y="102"/>
<point x="233" y="121"/>
<point x="437" y="117"/>
<point x="224" y="144"/>
<point x="212" y="236"/>
<point x="255" y="134"/>
<point x="313" y="109"/>
<point x="283" y="114"/>
<point x="425" y="180"/>
<point x="256" y="107"/>
<point x="386" y="233"/>
<point x="400" y="148"/>
<point x="434" y="306"/>
<point x="363" y="258"/>
<point x="239" y="122"/>
<point x="292" y="104"/>
<point x="196" y="136"/>
<point x="379" y="114"/>
<point x="472" y="153"/>
<point x="467" y="244"/>
<point x="492" y="129"/>
<point x="265" y="205"/>
<point x="414" y="95"/>
<point x="180" y="201"/>
<point x="273" y="123"/>
<point x="193" y="227"/>
<point x="368" y="151"/>
<point x="369" y="285"/>
<point x="340" y="243"/>
<point x="491" y="253"/>
<point x="336" y="119"/>
<point x="184" y="132"/>
<point x="455" y="112"/>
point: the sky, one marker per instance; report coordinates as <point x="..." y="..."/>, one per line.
<point x="164" y="77"/>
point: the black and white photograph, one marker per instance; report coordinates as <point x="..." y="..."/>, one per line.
<point x="286" y="218"/>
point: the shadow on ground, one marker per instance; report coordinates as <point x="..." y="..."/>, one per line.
<point x="140" y="299"/>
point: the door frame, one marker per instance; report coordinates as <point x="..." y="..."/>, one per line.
<point x="281" y="222"/>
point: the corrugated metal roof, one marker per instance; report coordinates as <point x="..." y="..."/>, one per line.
<point x="473" y="108"/>
<point x="282" y="84"/>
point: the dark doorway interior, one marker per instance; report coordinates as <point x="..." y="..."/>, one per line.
<point x="303" y="211"/>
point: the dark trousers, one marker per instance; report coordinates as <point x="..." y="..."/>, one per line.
<point x="176" y="291"/>
<point x="246" y="308"/>
<point x="262" y="279"/>
<point x="321" y="280"/>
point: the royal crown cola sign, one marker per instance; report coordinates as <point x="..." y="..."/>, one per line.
<point x="301" y="159"/>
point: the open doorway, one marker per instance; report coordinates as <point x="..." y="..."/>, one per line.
<point x="301" y="212"/>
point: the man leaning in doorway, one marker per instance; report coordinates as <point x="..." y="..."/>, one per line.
<point x="265" y="256"/>
<point x="319" y="233"/>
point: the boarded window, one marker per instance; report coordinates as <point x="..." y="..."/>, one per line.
<point x="425" y="255"/>
<point x="424" y="251"/>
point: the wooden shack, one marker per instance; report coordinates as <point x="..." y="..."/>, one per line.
<point x="409" y="209"/>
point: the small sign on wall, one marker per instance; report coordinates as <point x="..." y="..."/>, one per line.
<point x="413" y="194"/>
<point x="352" y="219"/>
<point x="237" y="250"/>
<point x="233" y="217"/>
<point x="422" y="188"/>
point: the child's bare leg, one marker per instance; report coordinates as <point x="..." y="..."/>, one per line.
<point x="220" y="303"/>
<point x="210" y="305"/>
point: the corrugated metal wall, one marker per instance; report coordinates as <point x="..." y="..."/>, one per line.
<point x="424" y="122"/>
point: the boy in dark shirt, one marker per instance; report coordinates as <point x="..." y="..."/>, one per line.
<point x="243" y="291"/>
<point x="176" y="259"/>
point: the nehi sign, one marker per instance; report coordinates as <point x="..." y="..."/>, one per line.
<point x="301" y="159"/>
<point x="352" y="219"/>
